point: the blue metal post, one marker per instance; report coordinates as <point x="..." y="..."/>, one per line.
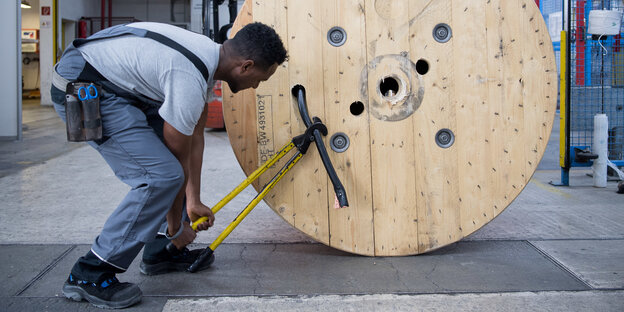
<point x="565" y="176"/>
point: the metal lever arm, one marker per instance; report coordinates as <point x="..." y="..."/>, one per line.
<point x="299" y="92"/>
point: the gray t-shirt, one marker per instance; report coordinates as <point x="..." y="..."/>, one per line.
<point x="159" y="72"/>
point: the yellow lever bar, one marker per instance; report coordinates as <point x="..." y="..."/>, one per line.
<point x="252" y="177"/>
<point x="255" y="201"/>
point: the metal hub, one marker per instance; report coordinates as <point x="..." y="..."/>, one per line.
<point x="442" y="33"/>
<point x="445" y="138"/>
<point x="336" y="36"/>
<point x="339" y="142"/>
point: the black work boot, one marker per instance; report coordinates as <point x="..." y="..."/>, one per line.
<point x="109" y="293"/>
<point x="172" y="261"/>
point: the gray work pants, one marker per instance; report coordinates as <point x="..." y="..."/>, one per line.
<point x="133" y="148"/>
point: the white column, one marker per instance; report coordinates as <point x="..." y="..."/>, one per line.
<point x="46" y="51"/>
<point x="196" y="16"/>
<point x="11" y="74"/>
<point x="601" y="148"/>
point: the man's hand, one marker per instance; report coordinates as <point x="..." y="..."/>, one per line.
<point x="198" y="210"/>
<point x="187" y="236"/>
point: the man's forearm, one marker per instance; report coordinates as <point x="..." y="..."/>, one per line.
<point x="193" y="186"/>
<point x="180" y="146"/>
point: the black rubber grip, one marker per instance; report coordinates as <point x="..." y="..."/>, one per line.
<point x="298" y="91"/>
<point x="203" y="257"/>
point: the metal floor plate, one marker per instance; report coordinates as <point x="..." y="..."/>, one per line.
<point x="314" y="269"/>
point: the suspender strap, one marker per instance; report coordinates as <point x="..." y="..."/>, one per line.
<point x="121" y="30"/>
<point x="178" y="47"/>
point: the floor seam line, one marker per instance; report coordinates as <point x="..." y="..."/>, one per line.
<point x="560" y="265"/>
<point x="407" y="293"/>
<point x="47" y="269"/>
<point x="542" y="239"/>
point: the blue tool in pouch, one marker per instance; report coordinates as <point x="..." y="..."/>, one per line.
<point x="87" y="93"/>
<point x="82" y="110"/>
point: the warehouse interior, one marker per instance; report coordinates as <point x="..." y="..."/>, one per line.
<point x="558" y="245"/>
<point x="46" y="27"/>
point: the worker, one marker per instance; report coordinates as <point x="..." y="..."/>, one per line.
<point x="154" y="81"/>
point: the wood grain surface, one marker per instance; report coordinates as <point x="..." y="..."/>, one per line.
<point x="493" y="85"/>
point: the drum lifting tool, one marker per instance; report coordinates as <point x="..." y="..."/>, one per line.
<point x="314" y="129"/>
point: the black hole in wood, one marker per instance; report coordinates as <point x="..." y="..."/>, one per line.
<point x="422" y="67"/>
<point x="389" y="86"/>
<point x="356" y="108"/>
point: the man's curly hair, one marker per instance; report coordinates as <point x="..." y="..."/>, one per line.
<point x="260" y="43"/>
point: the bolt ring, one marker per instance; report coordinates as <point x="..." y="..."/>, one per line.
<point x="336" y="36"/>
<point x="442" y="33"/>
<point x="339" y="142"/>
<point x="445" y="138"/>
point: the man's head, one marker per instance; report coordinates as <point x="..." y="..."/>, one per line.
<point x="252" y="56"/>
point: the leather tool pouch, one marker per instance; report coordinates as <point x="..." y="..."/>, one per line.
<point x="82" y="112"/>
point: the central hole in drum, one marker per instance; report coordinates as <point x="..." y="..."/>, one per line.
<point x="389" y="87"/>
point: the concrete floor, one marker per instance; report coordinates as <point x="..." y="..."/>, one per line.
<point x="555" y="249"/>
<point x="44" y="138"/>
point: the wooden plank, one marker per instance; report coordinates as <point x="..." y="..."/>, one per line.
<point x="392" y="154"/>
<point x="473" y="120"/>
<point x="437" y="176"/>
<point x="273" y="101"/>
<point x="539" y="102"/>
<point x="351" y="228"/>
<point x="305" y="38"/>
<point x="239" y="116"/>
<point x="513" y="156"/>
<point x="496" y="101"/>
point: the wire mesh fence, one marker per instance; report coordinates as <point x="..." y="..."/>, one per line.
<point x="596" y="79"/>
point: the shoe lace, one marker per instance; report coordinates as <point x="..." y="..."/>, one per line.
<point x="111" y="281"/>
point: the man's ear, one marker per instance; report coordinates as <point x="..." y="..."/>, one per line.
<point x="246" y="66"/>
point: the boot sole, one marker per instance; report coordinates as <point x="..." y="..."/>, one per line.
<point x="166" y="267"/>
<point x="76" y="293"/>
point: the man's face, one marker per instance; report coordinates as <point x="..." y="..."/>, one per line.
<point x="249" y="75"/>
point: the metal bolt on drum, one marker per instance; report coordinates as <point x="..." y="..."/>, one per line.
<point x="339" y="142"/>
<point x="336" y="36"/>
<point x="442" y="33"/>
<point x="445" y="138"/>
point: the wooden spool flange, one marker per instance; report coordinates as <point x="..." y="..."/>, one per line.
<point x="484" y="85"/>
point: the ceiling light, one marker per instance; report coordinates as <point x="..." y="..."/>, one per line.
<point x="25" y="4"/>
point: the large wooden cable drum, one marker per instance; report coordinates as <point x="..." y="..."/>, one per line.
<point x="438" y="113"/>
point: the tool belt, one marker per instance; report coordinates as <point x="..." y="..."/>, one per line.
<point x="82" y="112"/>
<point x="82" y="103"/>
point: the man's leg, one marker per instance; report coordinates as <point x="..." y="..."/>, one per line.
<point x="139" y="158"/>
<point x="156" y="258"/>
